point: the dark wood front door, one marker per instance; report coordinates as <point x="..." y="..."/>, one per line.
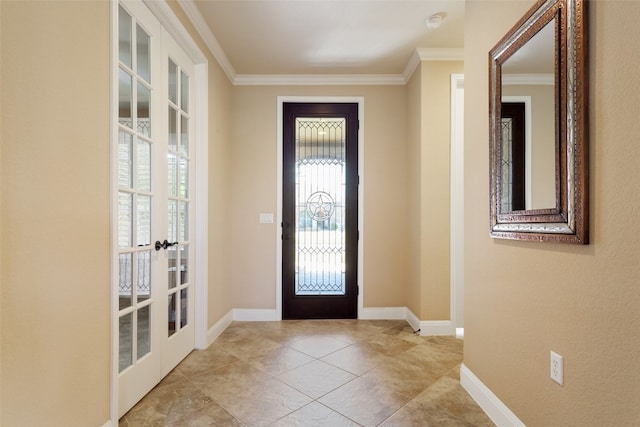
<point x="320" y="211"/>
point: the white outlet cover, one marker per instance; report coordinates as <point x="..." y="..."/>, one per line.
<point x="557" y="368"/>
<point x="266" y="218"/>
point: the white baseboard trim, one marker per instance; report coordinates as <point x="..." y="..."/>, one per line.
<point x="489" y="402"/>
<point x="437" y="327"/>
<point x="214" y="332"/>
<point x="383" y="313"/>
<point x="413" y="320"/>
<point x="254" y="315"/>
<point x="108" y="424"/>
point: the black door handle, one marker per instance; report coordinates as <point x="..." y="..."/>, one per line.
<point x="164" y="245"/>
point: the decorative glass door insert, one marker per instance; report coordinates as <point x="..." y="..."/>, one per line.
<point x="320" y="206"/>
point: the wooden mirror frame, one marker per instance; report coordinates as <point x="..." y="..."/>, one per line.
<point x="568" y="221"/>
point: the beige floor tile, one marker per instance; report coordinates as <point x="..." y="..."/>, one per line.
<point x="315" y="415"/>
<point x="357" y="358"/>
<point x="366" y="402"/>
<point x="318" y="346"/>
<point x="316" y="379"/>
<point x="280" y="360"/>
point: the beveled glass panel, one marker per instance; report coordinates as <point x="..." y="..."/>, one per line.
<point x="184" y="92"/>
<point x="184" y="293"/>
<point x="172" y="221"/>
<point x="173" y="129"/>
<point x="124" y="37"/>
<point x="125" y="219"/>
<point x="173" y="82"/>
<point x="183" y="218"/>
<point x="184" y="264"/>
<point x="172" y="253"/>
<point x="143" y="167"/>
<point x="172" y="174"/>
<point x="142" y="43"/>
<point x="183" y="184"/>
<point x="125" y="289"/>
<point x="143" y="287"/>
<point x="125" y="340"/>
<point x="144" y="101"/>
<point x="184" y="135"/>
<point x="320" y="206"/>
<point x="143" y="217"/>
<point x="124" y="99"/>
<point x="171" y="327"/>
<point x="125" y="154"/>
<point x="144" y="331"/>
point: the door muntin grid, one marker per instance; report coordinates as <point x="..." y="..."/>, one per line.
<point x="135" y="192"/>
<point x="320" y="195"/>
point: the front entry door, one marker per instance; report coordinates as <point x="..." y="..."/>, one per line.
<point x="153" y="183"/>
<point x="320" y="211"/>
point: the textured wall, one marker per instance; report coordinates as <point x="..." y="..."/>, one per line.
<point x="55" y="213"/>
<point x="523" y="299"/>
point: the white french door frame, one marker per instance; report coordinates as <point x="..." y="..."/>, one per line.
<point x="170" y="22"/>
<point x="457" y="202"/>
<point x="320" y="99"/>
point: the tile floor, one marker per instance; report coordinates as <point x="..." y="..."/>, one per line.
<point x="315" y="373"/>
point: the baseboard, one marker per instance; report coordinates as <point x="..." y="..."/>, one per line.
<point x="218" y="328"/>
<point x="437" y="327"/>
<point x="499" y="413"/>
<point x="383" y="313"/>
<point x="108" y="424"/>
<point x="413" y="320"/>
<point x="254" y="315"/>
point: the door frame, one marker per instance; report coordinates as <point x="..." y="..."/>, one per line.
<point x="456" y="257"/>
<point x="172" y="25"/>
<point x="278" y="230"/>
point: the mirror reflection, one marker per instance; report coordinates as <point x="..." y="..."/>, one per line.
<point x="528" y="125"/>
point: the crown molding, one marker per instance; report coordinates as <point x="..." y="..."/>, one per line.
<point x="318" y="79"/>
<point x="529" y="79"/>
<point x="421" y="54"/>
<point x="431" y="54"/>
<point x="194" y="15"/>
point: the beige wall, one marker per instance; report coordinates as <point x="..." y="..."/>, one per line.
<point x="254" y="189"/>
<point x="429" y="128"/>
<point x="523" y="299"/>
<point x="55" y="214"/>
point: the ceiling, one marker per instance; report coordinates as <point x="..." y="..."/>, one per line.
<point x="325" y="37"/>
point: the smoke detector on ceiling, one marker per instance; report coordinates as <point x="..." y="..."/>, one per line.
<point x="434" y="21"/>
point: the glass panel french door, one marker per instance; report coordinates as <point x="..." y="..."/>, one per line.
<point x="152" y="204"/>
<point x="320" y="182"/>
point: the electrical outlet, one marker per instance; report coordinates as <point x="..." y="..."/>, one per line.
<point x="557" y="368"/>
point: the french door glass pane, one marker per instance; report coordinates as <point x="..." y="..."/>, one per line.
<point x="125" y="160"/>
<point x="172" y="314"/>
<point x="183" y="307"/>
<point x="184" y="92"/>
<point x="173" y="267"/>
<point x="184" y="264"/>
<point x="142" y="49"/>
<point x="320" y="202"/>
<point x="125" y="341"/>
<point x="173" y="129"/>
<point x="125" y="219"/>
<point x="143" y="288"/>
<point x="124" y="99"/>
<point x="183" y="178"/>
<point x="124" y="37"/>
<point x="125" y="290"/>
<point x="144" y="100"/>
<point x="143" y="166"/>
<point x="183" y="218"/>
<point x="184" y="135"/>
<point x="144" y="335"/>
<point x="172" y="174"/>
<point x="173" y="221"/>
<point x="173" y="80"/>
<point x="143" y="216"/>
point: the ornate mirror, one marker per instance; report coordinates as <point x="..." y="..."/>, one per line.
<point x="537" y="107"/>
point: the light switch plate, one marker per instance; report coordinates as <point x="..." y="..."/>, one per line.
<point x="266" y="218"/>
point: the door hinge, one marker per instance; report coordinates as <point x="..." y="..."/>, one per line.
<point x="358" y="235"/>
<point x="357" y="290"/>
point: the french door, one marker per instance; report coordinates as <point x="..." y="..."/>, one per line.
<point x="320" y="211"/>
<point x="153" y="205"/>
